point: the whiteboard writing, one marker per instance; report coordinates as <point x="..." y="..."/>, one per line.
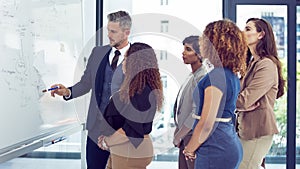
<point x="39" y="46"/>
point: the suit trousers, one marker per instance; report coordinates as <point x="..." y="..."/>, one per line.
<point x="96" y="158"/>
<point x="254" y="151"/>
<point x="182" y="163"/>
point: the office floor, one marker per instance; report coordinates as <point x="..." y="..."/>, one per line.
<point x="38" y="163"/>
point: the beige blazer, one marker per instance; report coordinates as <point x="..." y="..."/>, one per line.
<point x="260" y="84"/>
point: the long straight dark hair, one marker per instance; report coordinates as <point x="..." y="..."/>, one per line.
<point x="266" y="47"/>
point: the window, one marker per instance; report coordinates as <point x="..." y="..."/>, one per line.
<point x="164" y="81"/>
<point x="298" y="39"/>
<point x="298" y="27"/>
<point x="164" y="29"/>
<point x="163" y="55"/>
<point x="164" y="26"/>
<point x="276" y="15"/>
<point x="164" y="2"/>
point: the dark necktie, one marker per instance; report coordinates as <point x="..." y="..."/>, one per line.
<point x="115" y="60"/>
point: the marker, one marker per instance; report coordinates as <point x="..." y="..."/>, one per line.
<point x="54" y="141"/>
<point x="53" y="88"/>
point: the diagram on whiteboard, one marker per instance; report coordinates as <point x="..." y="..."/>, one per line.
<point x="39" y="45"/>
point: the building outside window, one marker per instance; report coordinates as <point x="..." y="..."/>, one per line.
<point x="164" y="26"/>
<point x="164" y="2"/>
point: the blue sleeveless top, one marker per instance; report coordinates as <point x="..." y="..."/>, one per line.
<point x="225" y="80"/>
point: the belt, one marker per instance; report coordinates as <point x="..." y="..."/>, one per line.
<point x="217" y="119"/>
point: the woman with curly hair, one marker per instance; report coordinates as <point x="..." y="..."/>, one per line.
<point x="131" y="110"/>
<point x="261" y="86"/>
<point x="214" y="143"/>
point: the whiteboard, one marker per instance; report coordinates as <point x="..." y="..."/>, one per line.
<point x="40" y="44"/>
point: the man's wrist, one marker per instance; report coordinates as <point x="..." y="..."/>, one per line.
<point x="67" y="94"/>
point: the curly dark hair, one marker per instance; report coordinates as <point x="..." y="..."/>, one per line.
<point x="224" y="44"/>
<point x="141" y="68"/>
<point x="266" y="48"/>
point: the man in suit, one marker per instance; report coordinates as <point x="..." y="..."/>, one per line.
<point x="103" y="75"/>
<point x="183" y="107"/>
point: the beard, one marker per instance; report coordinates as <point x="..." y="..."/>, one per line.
<point x="117" y="44"/>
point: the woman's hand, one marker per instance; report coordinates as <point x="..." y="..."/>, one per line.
<point x="102" y="143"/>
<point x="253" y="107"/>
<point x="189" y="155"/>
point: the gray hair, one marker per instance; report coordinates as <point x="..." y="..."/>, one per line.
<point x="122" y="17"/>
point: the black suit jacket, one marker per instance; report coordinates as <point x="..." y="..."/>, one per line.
<point x="92" y="79"/>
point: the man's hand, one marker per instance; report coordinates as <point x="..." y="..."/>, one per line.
<point x="61" y="91"/>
